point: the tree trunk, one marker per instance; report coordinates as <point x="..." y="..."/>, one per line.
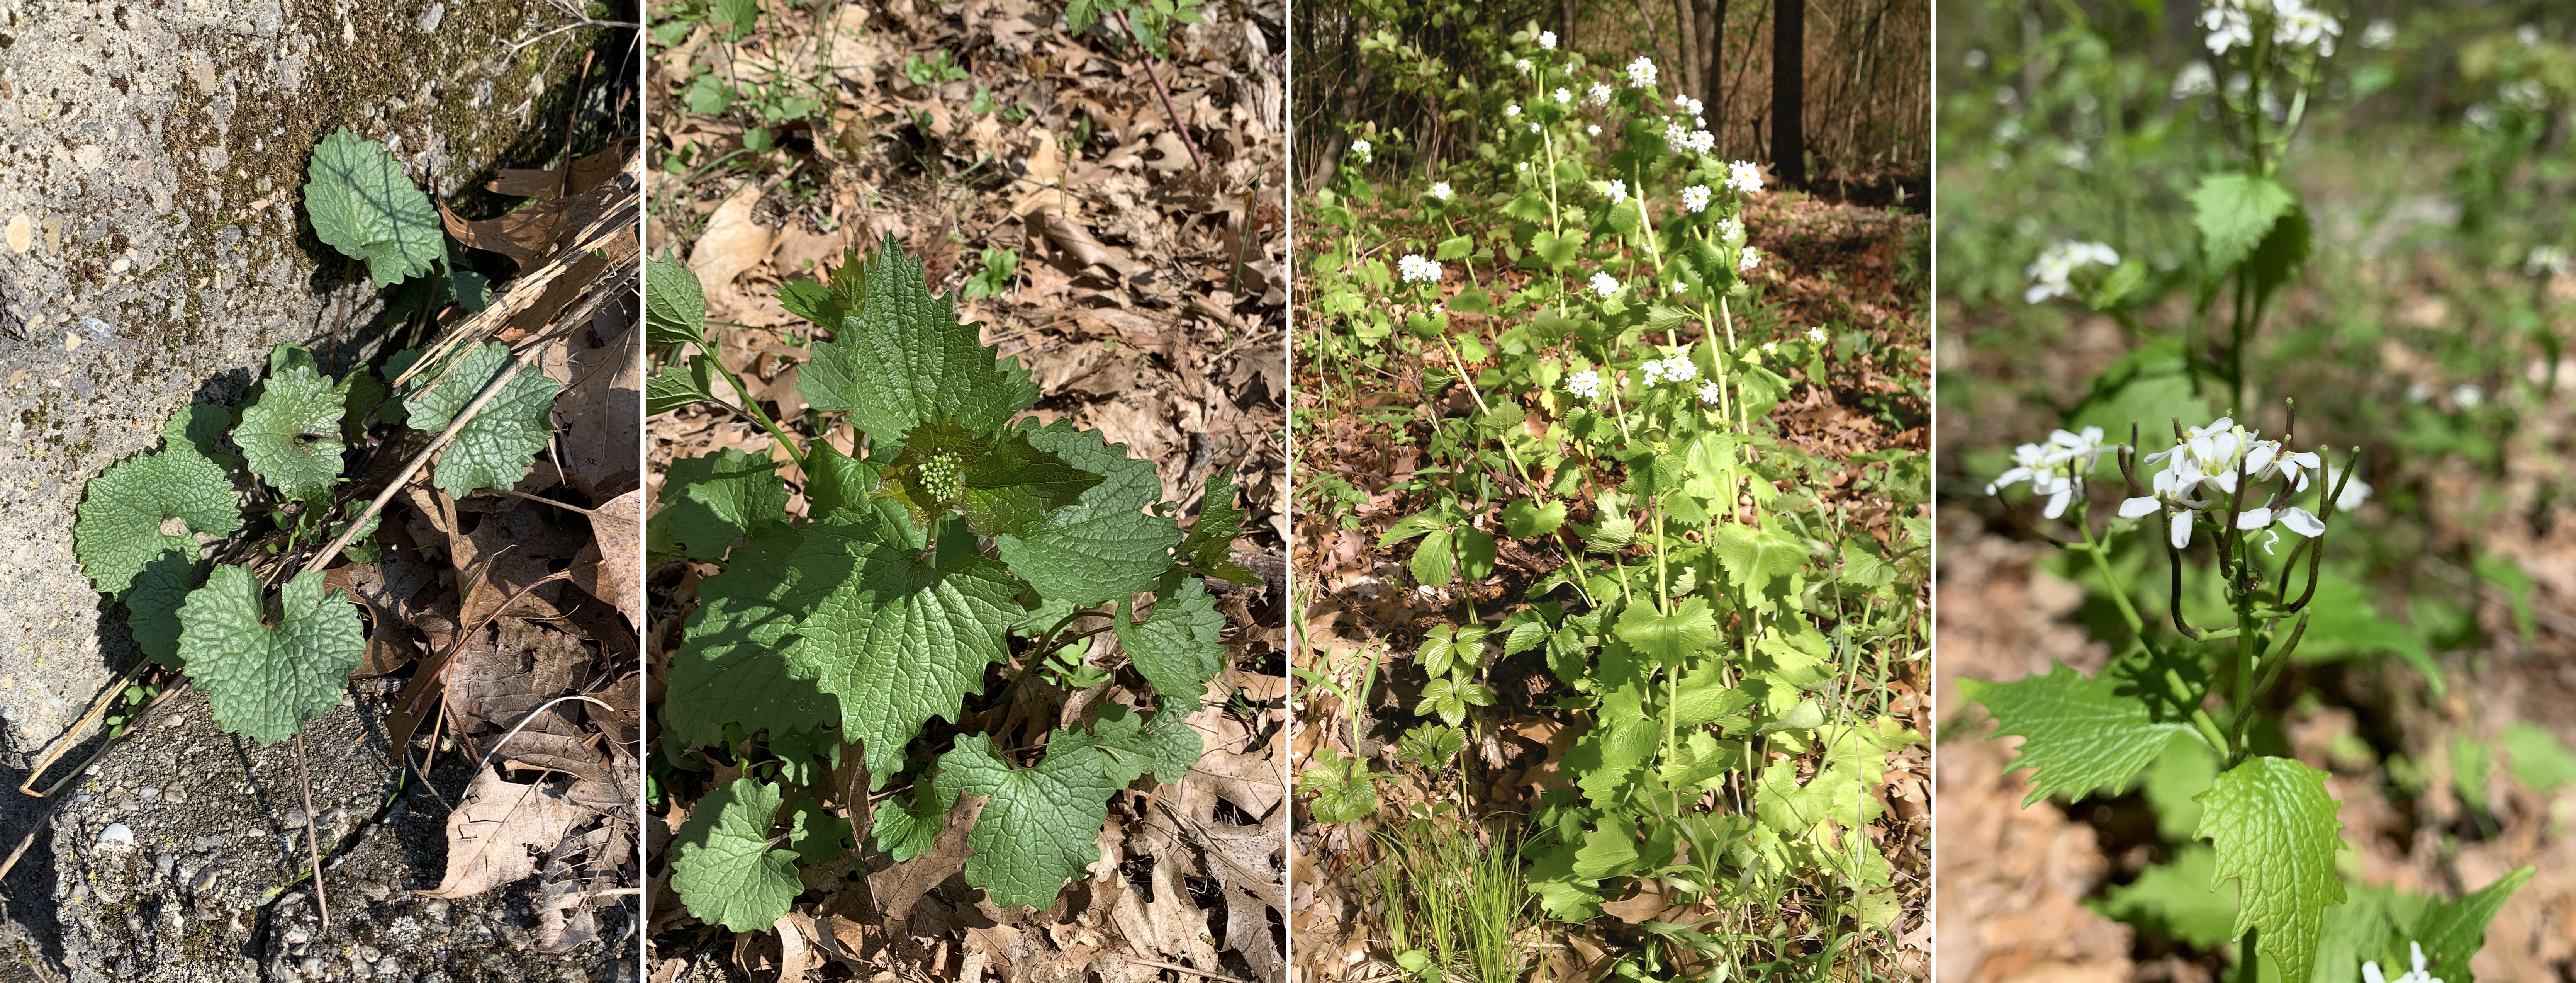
<point x="1712" y="52"/>
<point x="1686" y="67"/>
<point x="1788" y="93"/>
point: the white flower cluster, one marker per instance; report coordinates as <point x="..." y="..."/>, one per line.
<point x="2370" y="969"/>
<point x="1674" y="369"/>
<point x="2201" y="473"/>
<point x="2056" y="469"/>
<point x="1440" y="190"/>
<point x="1817" y="334"/>
<point x="1690" y="105"/>
<point x="1751" y="258"/>
<point x="1710" y="392"/>
<point x="1563" y="95"/>
<point x="1697" y="141"/>
<point x="1416" y="269"/>
<point x="1695" y="198"/>
<point x="1599" y="94"/>
<point x="1547" y="40"/>
<point x="1618" y="191"/>
<point x="1360" y="149"/>
<point x="1730" y="230"/>
<point x="1594" y="129"/>
<point x="2059" y="261"/>
<point x="1586" y="384"/>
<point x="1521" y="65"/>
<point x="1744" y="176"/>
<point x="2295" y="24"/>
<point x="1605" y="285"/>
<point x="2547" y="260"/>
<point x="1641" y="73"/>
<point x="1512" y="111"/>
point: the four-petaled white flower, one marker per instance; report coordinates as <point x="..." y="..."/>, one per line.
<point x="1730" y="230"/>
<point x="1698" y="141"/>
<point x="1521" y="65"/>
<point x="1547" y="40"/>
<point x="2297" y="25"/>
<point x="2203" y="469"/>
<point x="1605" y="285"/>
<point x="2056" y="469"/>
<point x="1618" y="191"/>
<point x="1592" y="128"/>
<point x="2229" y="26"/>
<point x="2060" y="260"/>
<point x="1512" y="111"/>
<point x="1440" y="190"/>
<point x="1751" y="258"/>
<point x="1360" y="149"/>
<point x="1533" y="127"/>
<point x="1586" y="384"/>
<point x="1674" y="369"/>
<point x="1415" y="269"/>
<point x="1681" y="286"/>
<point x="1695" y="198"/>
<point x="2420" y="974"/>
<point x="1641" y="73"/>
<point x="1563" y="95"/>
<point x="1709" y="392"/>
<point x="1599" y="94"/>
<point x="2356" y="492"/>
<point x="1817" y="335"/>
<point x="1688" y="104"/>
<point x="1744" y="176"/>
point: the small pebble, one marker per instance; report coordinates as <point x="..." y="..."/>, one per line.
<point x="165" y="863"/>
<point x="147" y="794"/>
<point x="116" y="835"/>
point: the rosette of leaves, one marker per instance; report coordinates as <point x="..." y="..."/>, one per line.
<point x="889" y="603"/>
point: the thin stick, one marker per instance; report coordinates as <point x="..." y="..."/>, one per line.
<point x="313" y="835"/>
<point x="402" y="479"/>
<point x="1198" y="162"/>
<point x="63" y="745"/>
<point x="1178" y="968"/>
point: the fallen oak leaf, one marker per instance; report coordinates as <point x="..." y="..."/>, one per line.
<point x="494" y="828"/>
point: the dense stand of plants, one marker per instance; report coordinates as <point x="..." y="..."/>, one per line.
<point x="1726" y="633"/>
<point x="2188" y="225"/>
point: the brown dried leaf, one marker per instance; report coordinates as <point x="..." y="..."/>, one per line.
<point x="610" y="567"/>
<point x="493" y="830"/>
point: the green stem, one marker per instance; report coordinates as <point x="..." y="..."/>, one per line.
<point x="752" y="406"/>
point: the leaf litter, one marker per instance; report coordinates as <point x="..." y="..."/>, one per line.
<point x="1147" y="302"/>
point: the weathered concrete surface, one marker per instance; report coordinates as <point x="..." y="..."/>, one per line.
<point x="157" y="883"/>
<point x="153" y="245"/>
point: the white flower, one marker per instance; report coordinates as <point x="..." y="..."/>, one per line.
<point x="1586" y="384"/>
<point x="1563" y="95"/>
<point x="1689" y="105"/>
<point x="2297" y="25"/>
<point x="2547" y="260"/>
<point x="1771" y="346"/>
<point x="1440" y="190"/>
<point x="2528" y="34"/>
<point x="1817" y="335"/>
<point x="1730" y="231"/>
<point x="1416" y="269"/>
<point x="1512" y="111"/>
<point x="1599" y="94"/>
<point x="1744" y="176"/>
<point x="1679" y="369"/>
<point x="1547" y="40"/>
<point x="1709" y="393"/>
<point x="1533" y="127"/>
<point x="1360" y="149"/>
<point x="1681" y="286"/>
<point x="2418" y="392"/>
<point x="2229" y="26"/>
<point x="1605" y="285"/>
<point x="2525" y="94"/>
<point x="1695" y="197"/>
<point x="2059" y="261"/>
<point x="1524" y="165"/>
<point x="1699" y="141"/>
<point x="1521" y="65"/>
<point x="2381" y="33"/>
<point x="1752" y="257"/>
<point x="1593" y="128"/>
<point x="1674" y="134"/>
<point x="2469" y="397"/>
<point x="1618" y="192"/>
<point x="2056" y="469"/>
<point x="1641" y="73"/>
<point x="2370" y="970"/>
<point x="2202" y="470"/>
<point x="2481" y="116"/>
<point x="2195" y="79"/>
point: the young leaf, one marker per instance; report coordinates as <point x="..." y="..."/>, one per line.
<point x="1104" y="545"/>
<point x="907" y="825"/>
<point x="1343" y="790"/>
<point x="1668" y="639"/>
<point x="903" y="360"/>
<point x="712" y="500"/>
<point x="898" y="639"/>
<point x="676" y="385"/>
<point x="1002" y="484"/>
<point x="495" y="448"/>
<point x="722" y="864"/>
<point x="200" y="427"/>
<point x="362" y="204"/>
<point x="1132" y="747"/>
<point x="2078" y="734"/>
<point x="290" y="433"/>
<point x="2276" y="834"/>
<point x="2453" y="931"/>
<point x="148" y="505"/>
<point x="1525" y="518"/>
<point x="2180" y="897"/>
<point x="2234" y="212"/>
<point x="818" y="835"/>
<point x="152" y="602"/>
<point x="1039" y="824"/>
<point x="675" y="306"/>
<point x="265" y="682"/>
<point x="1176" y="648"/>
<point x="1209" y="548"/>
